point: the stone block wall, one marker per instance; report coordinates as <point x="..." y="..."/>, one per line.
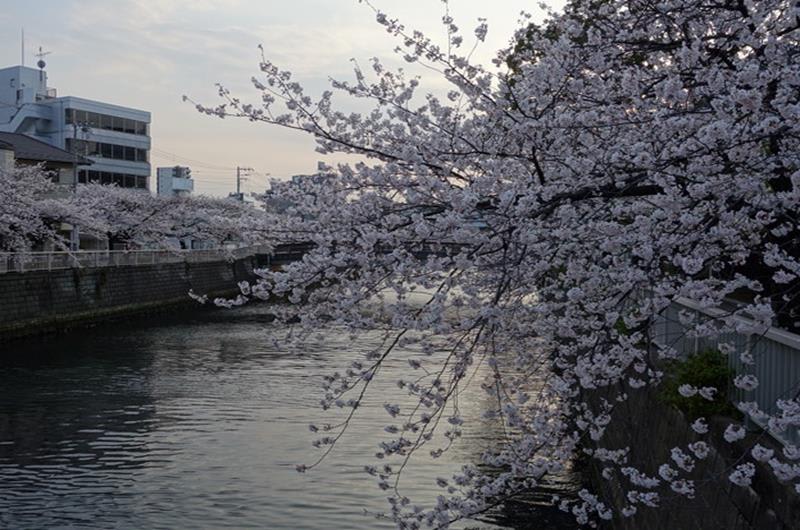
<point x="42" y="301"/>
<point x="651" y="428"/>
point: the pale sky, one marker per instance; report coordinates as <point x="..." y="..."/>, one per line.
<point x="148" y="53"/>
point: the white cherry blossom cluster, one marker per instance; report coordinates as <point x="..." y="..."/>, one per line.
<point x="34" y="211"/>
<point x="618" y="157"/>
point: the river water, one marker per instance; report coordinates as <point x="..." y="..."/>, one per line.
<point x="194" y="421"/>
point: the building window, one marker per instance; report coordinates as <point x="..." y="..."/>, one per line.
<point x="123" y="180"/>
<point x="105" y="121"/>
<point x="104" y="150"/>
<point x="94" y="120"/>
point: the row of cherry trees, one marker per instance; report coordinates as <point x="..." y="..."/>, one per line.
<point x="34" y="213"/>
<point x="619" y="155"/>
<point x="25" y="208"/>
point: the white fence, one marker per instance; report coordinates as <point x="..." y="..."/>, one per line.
<point x="46" y="261"/>
<point x="776" y="358"/>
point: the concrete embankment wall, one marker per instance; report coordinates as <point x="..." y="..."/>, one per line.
<point x="45" y="301"/>
<point x="651" y="428"/>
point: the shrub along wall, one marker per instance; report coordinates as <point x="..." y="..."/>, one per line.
<point x="44" y="301"/>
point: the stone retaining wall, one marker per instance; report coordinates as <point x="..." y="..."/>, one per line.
<point x="651" y="428"/>
<point x="44" y="301"/>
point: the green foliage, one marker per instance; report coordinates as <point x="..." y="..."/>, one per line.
<point x="708" y="368"/>
<point x="621" y="327"/>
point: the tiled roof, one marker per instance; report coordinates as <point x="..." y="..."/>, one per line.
<point x="27" y="148"/>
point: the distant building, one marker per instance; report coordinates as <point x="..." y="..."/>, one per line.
<point x="116" y="139"/>
<point x="21" y="150"/>
<point x="174" y="181"/>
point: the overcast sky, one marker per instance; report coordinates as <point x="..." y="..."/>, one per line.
<point x="148" y="53"/>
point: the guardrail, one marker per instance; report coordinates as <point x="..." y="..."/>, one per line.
<point x="776" y="358"/>
<point x="46" y="261"/>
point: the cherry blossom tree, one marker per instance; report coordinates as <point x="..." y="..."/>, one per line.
<point x="30" y="212"/>
<point x="220" y="221"/>
<point x="36" y="214"/>
<point x="618" y="156"/>
<point x="135" y="219"/>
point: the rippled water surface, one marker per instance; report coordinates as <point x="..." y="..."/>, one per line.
<point x="196" y="422"/>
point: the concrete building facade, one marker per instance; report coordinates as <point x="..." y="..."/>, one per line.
<point x="115" y="138"/>
<point x="22" y="150"/>
<point x="174" y="181"/>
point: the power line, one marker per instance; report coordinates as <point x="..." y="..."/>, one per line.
<point x="226" y="174"/>
<point x="175" y="157"/>
<point x="203" y="178"/>
<point x="192" y="164"/>
<point x="216" y="169"/>
<point x="211" y="174"/>
<point x="227" y="181"/>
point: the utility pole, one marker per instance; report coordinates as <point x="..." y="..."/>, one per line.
<point x="241" y="173"/>
<point x="74" y="236"/>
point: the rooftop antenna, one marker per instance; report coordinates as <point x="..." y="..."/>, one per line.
<point x="41" y="64"/>
<point x="41" y="55"/>
<point x="22" y="48"/>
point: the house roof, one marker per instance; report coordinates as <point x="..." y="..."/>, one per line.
<point x="27" y="148"/>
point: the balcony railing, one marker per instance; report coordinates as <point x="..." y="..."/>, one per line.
<point x="46" y="261"/>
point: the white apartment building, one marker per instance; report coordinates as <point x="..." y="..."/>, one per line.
<point x="174" y="181"/>
<point x="116" y="139"/>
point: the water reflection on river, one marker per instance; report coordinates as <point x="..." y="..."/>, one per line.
<point x="197" y="423"/>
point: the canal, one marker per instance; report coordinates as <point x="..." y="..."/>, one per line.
<point x="196" y="421"/>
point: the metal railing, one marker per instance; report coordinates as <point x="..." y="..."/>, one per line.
<point x="46" y="261"/>
<point x="776" y="357"/>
